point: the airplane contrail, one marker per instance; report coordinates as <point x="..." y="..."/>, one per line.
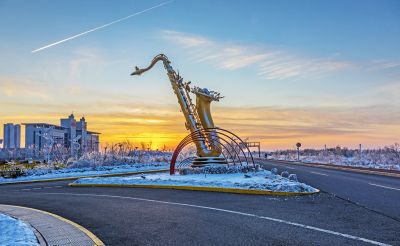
<point x="100" y="27"/>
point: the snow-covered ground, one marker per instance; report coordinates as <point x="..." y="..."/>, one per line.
<point x="50" y="173"/>
<point x="379" y="158"/>
<point x="261" y="180"/>
<point x="14" y="232"/>
<point x="350" y="161"/>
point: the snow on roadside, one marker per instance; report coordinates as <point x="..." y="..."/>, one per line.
<point x="47" y="173"/>
<point x="262" y="180"/>
<point x="16" y="232"/>
<point x="338" y="161"/>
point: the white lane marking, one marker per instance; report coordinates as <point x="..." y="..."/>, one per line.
<point x="289" y="167"/>
<point x="39" y="188"/>
<point x="232" y="212"/>
<point x="386" y="187"/>
<point x="319" y="173"/>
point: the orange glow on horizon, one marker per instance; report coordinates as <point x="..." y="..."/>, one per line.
<point x="275" y="128"/>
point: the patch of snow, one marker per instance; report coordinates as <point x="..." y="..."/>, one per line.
<point x="15" y="232"/>
<point x="50" y="173"/>
<point x="262" y="180"/>
<point x="339" y="161"/>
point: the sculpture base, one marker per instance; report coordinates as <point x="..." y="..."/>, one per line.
<point x="207" y="161"/>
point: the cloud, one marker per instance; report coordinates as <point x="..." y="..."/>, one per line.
<point x="278" y="126"/>
<point x="80" y="61"/>
<point x="20" y="88"/>
<point x="390" y="90"/>
<point x="270" y="63"/>
<point x="339" y="117"/>
<point x="84" y="59"/>
<point x="274" y="126"/>
<point x="385" y="64"/>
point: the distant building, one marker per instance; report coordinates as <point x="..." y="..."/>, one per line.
<point x="12" y="136"/>
<point x="35" y="135"/>
<point x="71" y="134"/>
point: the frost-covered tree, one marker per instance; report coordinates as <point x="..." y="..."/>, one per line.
<point x="387" y="157"/>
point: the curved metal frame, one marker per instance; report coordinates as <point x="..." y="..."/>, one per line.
<point x="212" y="130"/>
<point x="200" y="135"/>
<point x="185" y="161"/>
<point x="190" y="139"/>
<point x="195" y="136"/>
<point x="252" y="160"/>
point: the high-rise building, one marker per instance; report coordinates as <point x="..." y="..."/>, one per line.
<point x="38" y="135"/>
<point x="71" y="134"/>
<point x="12" y="136"/>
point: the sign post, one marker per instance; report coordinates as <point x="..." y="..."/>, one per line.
<point x="298" y="145"/>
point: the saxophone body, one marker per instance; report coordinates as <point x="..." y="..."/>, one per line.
<point x="198" y="117"/>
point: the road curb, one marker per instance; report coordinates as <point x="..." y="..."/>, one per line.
<point x="85" y="176"/>
<point x="334" y="167"/>
<point x="93" y="237"/>
<point x="200" y="188"/>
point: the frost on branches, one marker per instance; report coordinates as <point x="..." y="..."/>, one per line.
<point x="89" y="164"/>
<point x="383" y="158"/>
<point x="93" y="159"/>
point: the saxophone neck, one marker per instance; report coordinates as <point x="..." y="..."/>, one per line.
<point x="160" y="57"/>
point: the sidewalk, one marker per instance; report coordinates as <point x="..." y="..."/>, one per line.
<point x="52" y="229"/>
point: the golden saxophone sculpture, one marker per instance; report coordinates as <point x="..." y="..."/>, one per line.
<point x="197" y="117"/>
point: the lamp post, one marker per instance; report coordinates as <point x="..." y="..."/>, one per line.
<point x="298" y="145"/>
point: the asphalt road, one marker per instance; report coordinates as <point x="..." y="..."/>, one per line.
<point x="376" y="192"/>
<point x="136" y="216"/>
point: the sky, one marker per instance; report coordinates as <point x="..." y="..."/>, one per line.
<point x="315" y="72"/>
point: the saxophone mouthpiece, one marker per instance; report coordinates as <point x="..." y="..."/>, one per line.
<point x="136" y="72"/>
